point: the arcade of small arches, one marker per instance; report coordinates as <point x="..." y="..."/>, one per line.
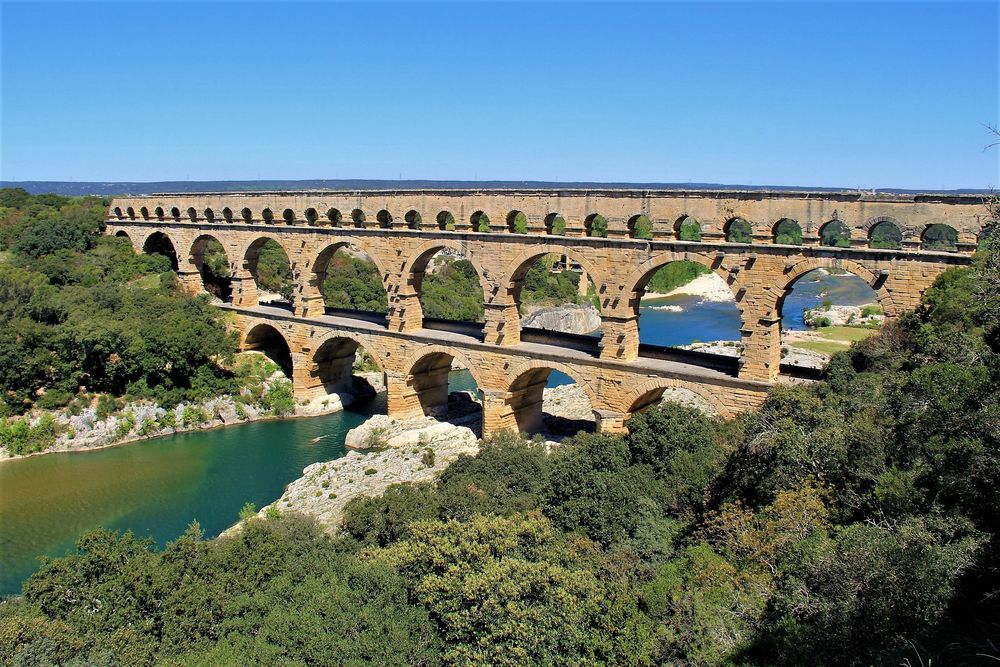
<point x="881" y="232"/>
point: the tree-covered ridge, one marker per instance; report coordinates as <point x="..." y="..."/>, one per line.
<point x="81" y="313"/>
<point x="852" y="521"/>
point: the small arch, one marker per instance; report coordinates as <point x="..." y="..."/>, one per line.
<point x="738" y="230"/>
<point x="555" y="224"/>
<point x="247" y="215"/>
<point x="288" y="215"/>
<point x="446" y="221"/>
<point x="939" y="236"/>
<point x="159" y="243"/>
<point x="227" y="214"/>
<point x="384" y="219"/>
<point x="480" y="222"/>
<point x="885" y="235"/>
<point x="175" y="213"/>
<point x="192" y="214"/>
<point x="268" y="216"/>
<point x="835" y="234"/>
<point x="413" y="220"/>
<point x="687" y="228"/>
<point x="787" y="232"/>
<point x="358" y="217"/>
<point x="270" y="342"/>
<point x="210" y="215"/>
<point x="517" y="222"/>
<point x="122" y="234"/>
<point x="158" y="212"/>
<point x="596" y="225"/>
<point x="144" y="212"/>
<point x="334" y="217"/>
<point x="131" y="212"/>
<point x="311" y="216"/>
<point x="640" y="227"/>
<point x="118" y="213"/>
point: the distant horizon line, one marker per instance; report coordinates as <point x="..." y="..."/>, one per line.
<point x="104" y="188"/>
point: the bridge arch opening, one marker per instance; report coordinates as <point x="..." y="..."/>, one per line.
<point x="358" y="218"/>
<point x="555" y="291"/>
<point x="247" y="215"/>
<point x="334" y="217"/>
<point x="118" y="213"/>
<point x="939" y="236"/>
<point x="311" y="216"/>
<point x="413" y="219"/>
<point x="192" y="214"/>
<point x="442" y="388"/>
<point x="175" y="213"/>
<point x="267" y="340"/>
<point x="449" y="288"/>
<point x="885" y="235"/>
<point x="343" y="367"/>
<point x="446" y="221"/>
<point x="159" y="243"/>
<point x="209" y="256"/>
<point x="661" y="392"/>
<point x="687" y="228"/>
<point x="517" y="222"/>
<point x="738" y="230"/>
<point x="685" y="304"/>
<point x="122" y="234"/>
<point x="640" y="227"/>
<point x="144" y="212"/>
<point x="227" y="214"/>
<point x="824" y="310"/>
<point x="131" y="213"/>
<point x="555" y="225"/>
<point x="787" y="232"/>
<point x="480" y="222"/>
<point x="288" y="215"/>
<point x="158" y="212"/>
<point x="349" y="279"/>
<point x="268" y="216"/>
<point x="384" y="219"/>
<point x="596" y="225"/>
<point x="209" y="215"/>
<point x="268" y="263"/>
<point x="545" y="399"/>
<point x="835" y="234"/>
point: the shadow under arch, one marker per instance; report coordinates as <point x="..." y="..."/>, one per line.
<point x="339" y="275"/>
<point x="427" y="386"/>
<point x="270" y="342"/>
<point x="652" y="392"/>
<point x="159" y="243"/>
<point x="336" y="367"/>
<point x="209" y="257"/>
<point x="525" y="399"/>
<point x="414" y="273"/>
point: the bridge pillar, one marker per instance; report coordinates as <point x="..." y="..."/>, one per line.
<point x="609" y="421"/>
<point x="244" y="290"/>
<point x="761" y="349"/>
<point x="401" y="401"/>
<point x="310" y="306"/>
<point x="620" y="338"/>
<point x="306" y="384"/>
<point x="497" y="412"/>
<point x="190" y="281"/>
<point x="405" y="312"/>
<point x="503" y="324"/>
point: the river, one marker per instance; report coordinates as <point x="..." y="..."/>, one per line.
<point x="158" y="487"/>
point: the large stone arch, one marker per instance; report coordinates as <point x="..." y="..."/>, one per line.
<point x="316" y="269"/>
<point x="651" y="391"/>
<point x="638" y="279"/>
<point x="196" y="262"/>
<point x="249" y="254"/>
<point x="424" y="385"/>
<point x="272" y="343"/>
<point x="331" y="365"/>
<point x="152" y="243"/>
<point x="411" y="359"/>
<point x="874" y="279"/>
<point x="525" y="390"/>
<point x="516" y="270"/>
<point x="412" y="274"/>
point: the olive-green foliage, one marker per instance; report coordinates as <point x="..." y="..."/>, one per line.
<point x="215" y="273"/>
<point x="788" y="232"/>
<point x="739" y="231"/>
<point x="280" y="592"/>
<point x="642" y="228"/>
<point x="886" y="235"/>
<point x="18" y="436"/>
<point x="453" y="292"/>
<point x="837" y="234"/>
<point x="675" y="274"/>
<point x="545" y="286"/>
<point x="690" y="230"/>
<point x="940" y="237"/>
<point x="274" y="272"/>
<point x="73" y="315"/>
<point x="354" y="283"/>
<point x="598" y="226"/>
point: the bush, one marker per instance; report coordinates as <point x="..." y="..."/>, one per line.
<point x="19" y="437"/>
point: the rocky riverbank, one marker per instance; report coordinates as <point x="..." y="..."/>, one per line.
<point x="581" y="318"/>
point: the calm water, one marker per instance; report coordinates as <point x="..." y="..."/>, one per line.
<point x="158" y="487"/>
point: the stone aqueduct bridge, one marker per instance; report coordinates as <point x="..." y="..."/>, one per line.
<point x="402" y="230"/>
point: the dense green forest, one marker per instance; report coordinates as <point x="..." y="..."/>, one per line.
<point x="82" y="313"/>
<point x="853" y="521"/>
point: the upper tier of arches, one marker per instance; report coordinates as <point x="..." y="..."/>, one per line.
<point x="836" y="230"/>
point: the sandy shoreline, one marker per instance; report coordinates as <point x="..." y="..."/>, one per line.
<point x="708" y="286"/>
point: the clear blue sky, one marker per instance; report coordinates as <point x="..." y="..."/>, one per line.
<point x="841" y="94"/>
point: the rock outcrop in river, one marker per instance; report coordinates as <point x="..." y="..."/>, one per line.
<point x="569" y="318"/>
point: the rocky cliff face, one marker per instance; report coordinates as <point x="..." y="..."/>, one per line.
<point x="568" y="318"/>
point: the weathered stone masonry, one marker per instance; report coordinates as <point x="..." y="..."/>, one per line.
<point x="401" y="231"/>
